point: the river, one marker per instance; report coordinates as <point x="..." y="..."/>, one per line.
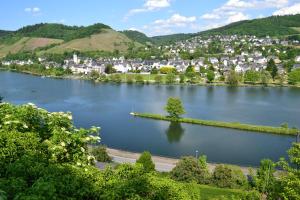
<point x="108" y="106"/>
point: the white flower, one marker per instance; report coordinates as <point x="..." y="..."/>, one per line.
<point x="82" y="149"/>
<point x="63" y="144"/>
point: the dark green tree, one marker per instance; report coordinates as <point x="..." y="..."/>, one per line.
<point x="210" y="76"/>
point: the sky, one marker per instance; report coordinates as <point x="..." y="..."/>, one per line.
<point x="152" y="17"/>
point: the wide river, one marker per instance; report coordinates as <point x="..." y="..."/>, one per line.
<point x="108" y="106"/>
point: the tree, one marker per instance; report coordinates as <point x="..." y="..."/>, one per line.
<point x="251" y="76"/>
<point x="294" y="77"/>
<point x="290" y="182"/>
<point x="109" y="69"/>
<point x="272" y="68"/>
<point x="94" y="75"/>
<point x="265" y="77"/>
<point x="100" y="154"/>
<point x="181" y="78"/>
<point x="188" y="169"/>
<point x="232" y="78"/>
<point x="174" y="108"/>
<point x="170" y="78"/>
<point x="146" y="160"/>
<point x="265" y="180"/>
<point x="210" y="76"/>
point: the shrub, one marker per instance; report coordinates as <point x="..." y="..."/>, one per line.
<point x="158" y="79"/>
<point x="129" y="78"/>
<point x="139" y="78"/>
<point x="294" y="77"/>
<point x="188" y="169"/>
<point x="170" y="78"/>
<point x="167" y="70"/>
<point x="251" y="76"/>
<point x="232" y="78"/>
<point x="229" y="177"/>
<point x="100" y="154"/>
<point x="146" y="161"/>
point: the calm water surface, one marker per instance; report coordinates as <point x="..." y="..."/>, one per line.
<point x="109" y="105"/>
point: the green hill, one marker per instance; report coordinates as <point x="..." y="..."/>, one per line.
<point x="280" y="26"/>
<point x="272" y="26"/>
<point x="3" y="33"/>
<point x="58" y="38"/>
<point x="59" y="31"/>
<point x="137" y="36"/>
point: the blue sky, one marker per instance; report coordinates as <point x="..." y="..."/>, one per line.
<point x="153" y="17"/>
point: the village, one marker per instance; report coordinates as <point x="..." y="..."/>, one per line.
<point x="241" y="53"/>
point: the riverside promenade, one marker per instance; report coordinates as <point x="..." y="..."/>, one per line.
<point x="162" y="164"/>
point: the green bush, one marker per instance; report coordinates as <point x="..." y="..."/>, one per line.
<point x="146" y="161"/>
<point x="294" y="77"/>
<point x="139" y="78"/>
<point x="100" y="154"/>
<point x="158" y="79"/>
<point x="188" y="169"/>
<point x="228" y="177"/>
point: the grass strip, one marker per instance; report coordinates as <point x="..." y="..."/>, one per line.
<point x="232" y="125"/>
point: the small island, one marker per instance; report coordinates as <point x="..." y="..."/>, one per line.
<point x="175" y="108"/>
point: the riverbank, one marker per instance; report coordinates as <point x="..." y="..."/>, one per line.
<point x="232" y="125"/>
<point x="151" y="80"/>
<point x="162" y="164"/>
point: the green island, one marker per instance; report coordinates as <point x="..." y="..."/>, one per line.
<point x="175" y="108"/>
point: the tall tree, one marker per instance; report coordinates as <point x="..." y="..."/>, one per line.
<point x="174" y="107"/>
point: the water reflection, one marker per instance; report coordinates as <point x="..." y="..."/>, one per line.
<point x="174" y="132"/>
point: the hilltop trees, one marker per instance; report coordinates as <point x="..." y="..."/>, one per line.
<point x="174" y="107"/>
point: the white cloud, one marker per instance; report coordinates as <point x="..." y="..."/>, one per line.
<point x="175" y="20"/>
<point x="156" y="4"/>
<point x="167" y="26"/>
<point x="36" y="9"/>
<point x="27" y="9"/>
<point x="210" y="16"/>
<point x="237" y="17"/>
<point x="290" y="10"/>
<point x="149" y="5"/>
<point x="33" y="10"/>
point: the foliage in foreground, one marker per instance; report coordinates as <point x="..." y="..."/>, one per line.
<point x="43" y="156"/>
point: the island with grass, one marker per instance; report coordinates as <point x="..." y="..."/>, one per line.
<point x="175" y="108"/>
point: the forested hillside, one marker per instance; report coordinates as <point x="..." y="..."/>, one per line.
<point x="137" y="36"/>
<point x="272" y="26"/>
<point x="59" y="31"/>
